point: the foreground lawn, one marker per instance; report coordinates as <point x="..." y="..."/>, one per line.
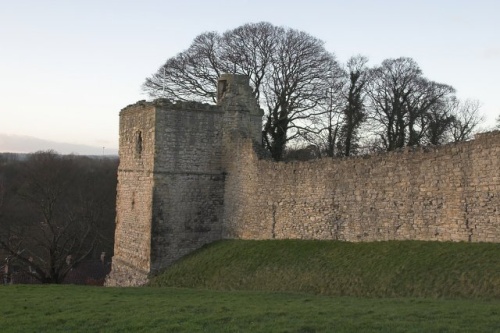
<point x="148" y="309"/>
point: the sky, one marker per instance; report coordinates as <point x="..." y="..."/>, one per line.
<point x="68" y="67"/>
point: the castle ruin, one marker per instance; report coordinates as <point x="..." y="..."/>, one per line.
<point x="193" y="173"/>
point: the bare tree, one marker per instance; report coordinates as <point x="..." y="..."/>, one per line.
<point x="248" y="50"/>
<point x="334" y="128"/>
<point x="57" y="217"/>
<point x="190" y="75"/>
<point x="322" y="127"/>
<point x="288" y="71"/>
<point x="466" y="119"/>
<point x="193" y="73"/>
<point x="295" y="87"/>
<point x="389" y="90"/>
<point x="401" y="100"/>
<point x="330" y="121"/>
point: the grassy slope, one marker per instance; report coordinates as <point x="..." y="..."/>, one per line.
<point x="380" y="269"/>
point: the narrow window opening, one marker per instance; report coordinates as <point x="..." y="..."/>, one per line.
<point x="138" y="145"/>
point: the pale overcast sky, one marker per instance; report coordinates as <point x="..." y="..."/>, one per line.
<point x="67" y="67"/>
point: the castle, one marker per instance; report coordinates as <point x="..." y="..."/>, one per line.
<point x="193" y="173"/>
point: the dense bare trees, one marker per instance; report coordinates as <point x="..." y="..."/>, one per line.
<point x="288" y="70"/>
<point x="57" y="211"/>
<point x="402" y="102"/>
<point x="309" y="97"/>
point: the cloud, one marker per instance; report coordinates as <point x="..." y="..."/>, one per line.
<point x="28" y="144"/>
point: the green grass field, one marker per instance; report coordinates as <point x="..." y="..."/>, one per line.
<point x="149" y="309"/>
<point x="283" y="286"/>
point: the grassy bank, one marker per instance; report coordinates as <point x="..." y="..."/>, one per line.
<point x="380" y="269"/>
<point x="96" y="309"/>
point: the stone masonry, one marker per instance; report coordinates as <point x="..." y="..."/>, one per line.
<point x="193" y="173"/>
<point x="171" y="177"/>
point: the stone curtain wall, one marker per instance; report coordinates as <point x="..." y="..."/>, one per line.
<point x="446" y="193"/>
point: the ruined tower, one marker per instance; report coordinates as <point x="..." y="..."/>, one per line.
<point x="173" y="158"/>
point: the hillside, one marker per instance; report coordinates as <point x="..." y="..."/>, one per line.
<point x="379" y="269"/>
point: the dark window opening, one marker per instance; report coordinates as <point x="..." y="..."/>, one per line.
<point x="138" y="145"/>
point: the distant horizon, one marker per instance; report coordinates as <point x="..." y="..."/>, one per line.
<point x="24" y="144"/>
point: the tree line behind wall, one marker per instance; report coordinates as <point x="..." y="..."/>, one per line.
<point x="56" y="211"/>
<point x="310" y="98"/>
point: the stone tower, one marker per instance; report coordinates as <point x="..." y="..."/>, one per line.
<point x="171" y="177"/>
